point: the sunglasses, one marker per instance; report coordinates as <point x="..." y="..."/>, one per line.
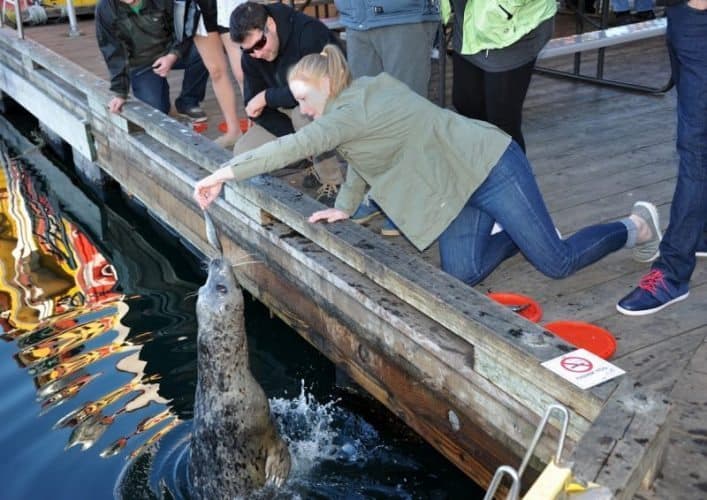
<point x="257" y="45"/>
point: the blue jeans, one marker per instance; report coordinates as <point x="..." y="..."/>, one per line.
<point x="510" y="196"/>
<point x="687" y="46"/>
<point x="639" y="5"/>
<point x="152" y="89"/>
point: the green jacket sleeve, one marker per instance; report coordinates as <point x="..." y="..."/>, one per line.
<point x="351" y="192"/>
<point x="324" y="134"/>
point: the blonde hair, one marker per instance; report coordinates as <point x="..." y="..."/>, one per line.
<point x="330" y="63"/>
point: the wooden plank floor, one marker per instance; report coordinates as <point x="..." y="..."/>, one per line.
<point x="595" y="151"/>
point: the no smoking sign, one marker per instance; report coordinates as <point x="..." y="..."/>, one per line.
<point x="576" y="364"/>
<point x="583" y="368"/>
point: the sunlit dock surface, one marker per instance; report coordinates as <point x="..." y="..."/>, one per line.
<point x="595" y="151"/>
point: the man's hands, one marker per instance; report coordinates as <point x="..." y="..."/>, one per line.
<point x="163" y="65"/>
<point x="116" y="104"/>
<point x="256" y="105"/>
<point x="328" y="215"/>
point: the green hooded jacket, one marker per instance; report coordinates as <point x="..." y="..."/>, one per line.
<point x="495" y="24"/>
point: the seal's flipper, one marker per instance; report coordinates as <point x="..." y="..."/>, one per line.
<point x="277" y="464"/>
<point x="211" y="234"/>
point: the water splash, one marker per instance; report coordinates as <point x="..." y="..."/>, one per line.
<point x="333" y="452"/>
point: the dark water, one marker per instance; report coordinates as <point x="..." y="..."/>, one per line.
<point x="97" y="363"/>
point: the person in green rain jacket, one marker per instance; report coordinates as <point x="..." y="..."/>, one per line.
<point x="494" y="48"/>
<point x="436" y="174"/>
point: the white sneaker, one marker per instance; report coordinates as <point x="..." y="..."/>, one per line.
<point x="649" y="250"/>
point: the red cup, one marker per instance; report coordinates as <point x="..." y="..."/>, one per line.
<point x="245" y="124"/>
<point x="200" y="127"/>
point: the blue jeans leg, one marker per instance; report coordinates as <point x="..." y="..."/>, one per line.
<point x="687" y="46"/>
<point x="150" y="88"/>
<point x="194" y="80"/>
<point x="639" y="5"/>
<point x="468" y="251"/>
<point x="510" y="196"/>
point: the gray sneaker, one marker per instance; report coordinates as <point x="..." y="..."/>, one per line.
<point x="648" y="251"/>
<point x="195" y="114"/>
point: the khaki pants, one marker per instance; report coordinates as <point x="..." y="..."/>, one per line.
<point x="326" y="165"/>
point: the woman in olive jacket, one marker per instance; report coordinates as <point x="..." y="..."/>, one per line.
<point x="438" y="175"/>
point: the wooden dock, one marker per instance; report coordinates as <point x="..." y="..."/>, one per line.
<point x="460" y="370"/>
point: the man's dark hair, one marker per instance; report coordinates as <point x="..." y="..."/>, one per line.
<point x="246" y="17"/>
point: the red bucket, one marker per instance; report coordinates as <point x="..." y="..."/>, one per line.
<point x="200" y="127"/>
<point x="245" y="124"/>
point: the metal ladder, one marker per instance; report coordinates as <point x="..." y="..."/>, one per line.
<point x="514" y="492"/>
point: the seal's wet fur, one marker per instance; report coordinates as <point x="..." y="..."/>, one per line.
<point x="235" y="447"/>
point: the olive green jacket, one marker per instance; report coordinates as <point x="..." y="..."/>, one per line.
<point x="422" y="162"/>
<point x="496" y="24"/>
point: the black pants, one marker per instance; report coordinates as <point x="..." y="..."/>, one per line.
<point x="492" y="97"/>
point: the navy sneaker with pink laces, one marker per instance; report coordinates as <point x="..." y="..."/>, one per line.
<point x="654" y="292"/>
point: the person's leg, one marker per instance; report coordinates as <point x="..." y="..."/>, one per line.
<point x="468" y="88"/>
<point x="255" y="136"/>
<point x="668" y="280"/>
<point x="405" y="50"/>
<point x="150" y="88"/>
<point x="622" y="12"/>
<point x="361" y="55"/>
<point x="702" y="244"/>
<point x="641" y="6"/>
<point x="193" y="82"/>
<point x="468" y="251"/>
<point x="212" y="53"/>
<point x="505" y="93"/>
<point x="619" y="6"/>
<point x="688" y="43"/>
<point x="510" y="195"/>
<point x="233" y="51"/>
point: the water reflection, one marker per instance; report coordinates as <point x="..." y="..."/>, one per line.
<point x="62" y="303"/>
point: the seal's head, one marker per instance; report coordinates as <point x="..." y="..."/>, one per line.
<point x="220" y="299"/>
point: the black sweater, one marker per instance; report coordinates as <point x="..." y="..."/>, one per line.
<point x="299" y="35"/>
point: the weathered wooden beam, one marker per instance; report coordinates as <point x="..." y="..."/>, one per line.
<point x="73" y="129"/>
<point x="625" y="444"/>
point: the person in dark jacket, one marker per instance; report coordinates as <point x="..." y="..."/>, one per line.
<point x="273" y="38"/>
<point x="138" y="42"/>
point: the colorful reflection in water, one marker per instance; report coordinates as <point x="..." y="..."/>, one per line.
<point x="63" y="304"/>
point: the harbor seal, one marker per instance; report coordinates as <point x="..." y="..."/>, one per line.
<point x="235" y="447"/>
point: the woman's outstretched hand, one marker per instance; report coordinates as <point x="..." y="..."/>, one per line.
<point x="208" y="188"/>
<point x="328" y="215"/>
